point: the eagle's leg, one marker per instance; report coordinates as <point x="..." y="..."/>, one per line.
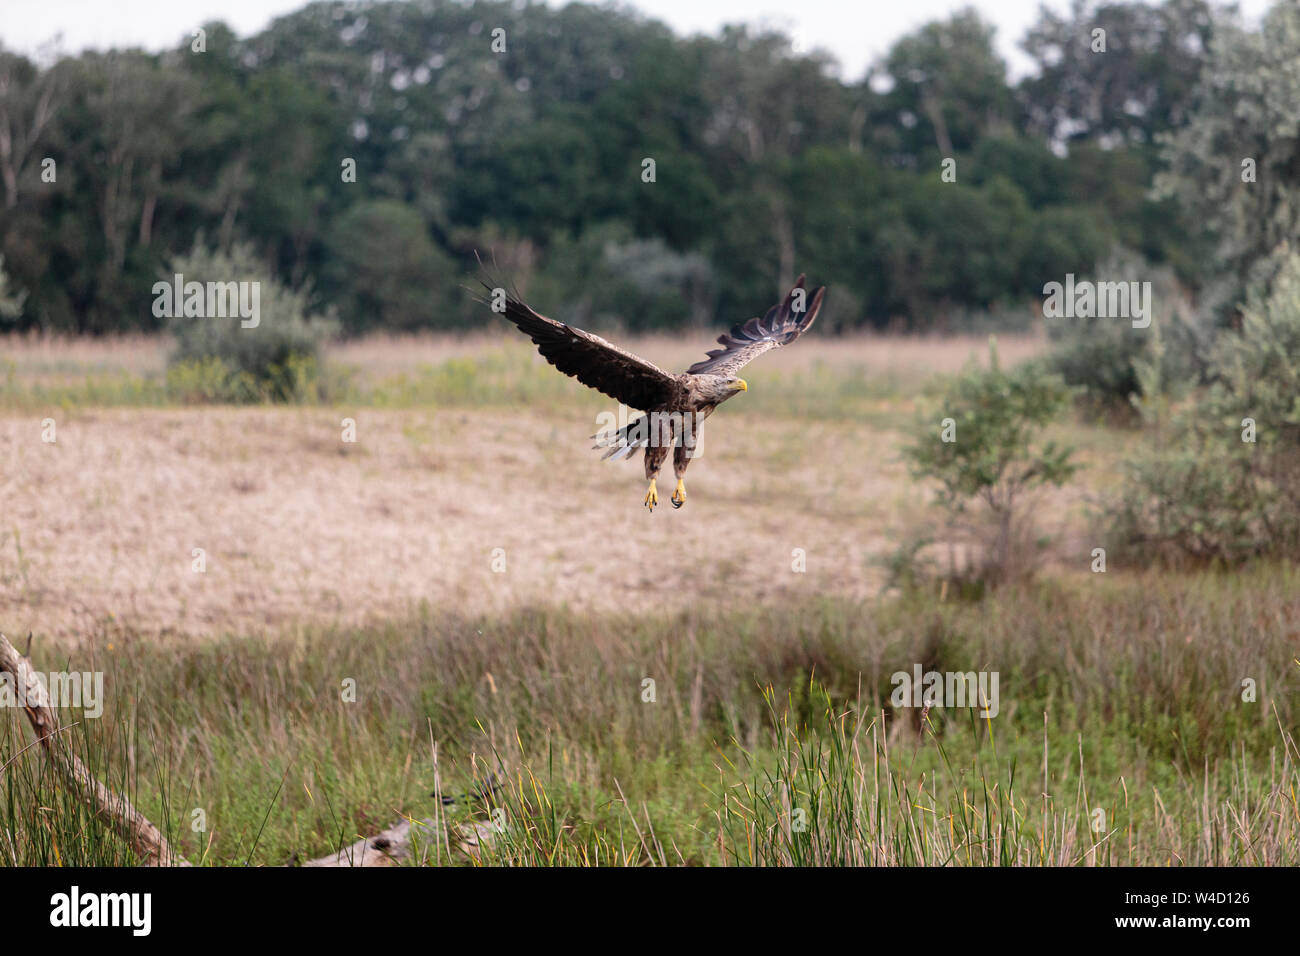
<point x="683" y="452"/>
<point x="655" y="453"/>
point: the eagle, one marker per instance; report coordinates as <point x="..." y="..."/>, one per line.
<point x="674" y="405"/>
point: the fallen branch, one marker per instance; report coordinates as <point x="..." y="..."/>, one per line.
<point x="389" y="848"/>
<point x="124" y="819"/>
<point x="393" y="846"/>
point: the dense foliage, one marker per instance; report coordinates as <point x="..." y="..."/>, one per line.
<point x="766" y="163"/>
<point x="1221" y="477"/>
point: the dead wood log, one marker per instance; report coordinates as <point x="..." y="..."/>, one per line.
<point x="389" y="848"/>
<point x="115" y="810"/>
<point x="394" y="846"/>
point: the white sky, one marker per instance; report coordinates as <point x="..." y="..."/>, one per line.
<point x="855" y="31"/>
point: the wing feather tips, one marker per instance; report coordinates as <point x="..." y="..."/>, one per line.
<point x="784" y="324"/>
<point x="806" y="322"/>
<point x="780" y="317"/>
<point x="780" y="325"/>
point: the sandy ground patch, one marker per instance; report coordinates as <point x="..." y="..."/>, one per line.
<point x="295" y="524"/>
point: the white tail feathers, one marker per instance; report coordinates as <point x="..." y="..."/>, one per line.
<point x="618" y="445"/>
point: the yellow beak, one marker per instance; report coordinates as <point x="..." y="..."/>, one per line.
<point x="740" y="385"/>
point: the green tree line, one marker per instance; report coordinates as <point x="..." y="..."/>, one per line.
<point x="365" y="151"/>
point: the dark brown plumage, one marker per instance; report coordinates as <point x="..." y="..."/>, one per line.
<point x="675" y="405"/>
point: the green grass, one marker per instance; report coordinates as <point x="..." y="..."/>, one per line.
<point x="1120" y="693"/>
<point x="494" y="378"/>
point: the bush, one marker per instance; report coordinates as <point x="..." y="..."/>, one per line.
<point x="988" y="453"/>
<point x="1100" y="357"/>
<point x="218" y="359"/>
<point x="1207" y="490"/>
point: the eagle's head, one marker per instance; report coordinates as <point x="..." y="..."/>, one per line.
<point x="718" y="388"/>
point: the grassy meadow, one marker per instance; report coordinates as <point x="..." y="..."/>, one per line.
<point x="498" y="598"/>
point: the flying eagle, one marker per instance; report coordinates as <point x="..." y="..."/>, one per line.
<point x="675" y="405"/>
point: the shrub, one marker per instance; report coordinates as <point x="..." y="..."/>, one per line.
<point x="1206" y="490"/>
<point x="988" y="453"/>
<point x="218" y="359"/>
<point x="1100" y="357"/>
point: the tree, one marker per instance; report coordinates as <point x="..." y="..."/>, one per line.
<point x="1141" y="85"/>
<point x="770" y="105"/>
<point x="1233" y="167"/>
<point x="949" y="85"/>
<point x="386" y="273"/>
<point x="28" y="103"/>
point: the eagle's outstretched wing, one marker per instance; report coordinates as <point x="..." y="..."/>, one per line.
<point x="748" y="340"/>
<point x="591" y="360"/>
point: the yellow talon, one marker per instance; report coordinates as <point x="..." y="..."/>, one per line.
<point x="679" y="496"/>
<point x="651" y="496"/>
